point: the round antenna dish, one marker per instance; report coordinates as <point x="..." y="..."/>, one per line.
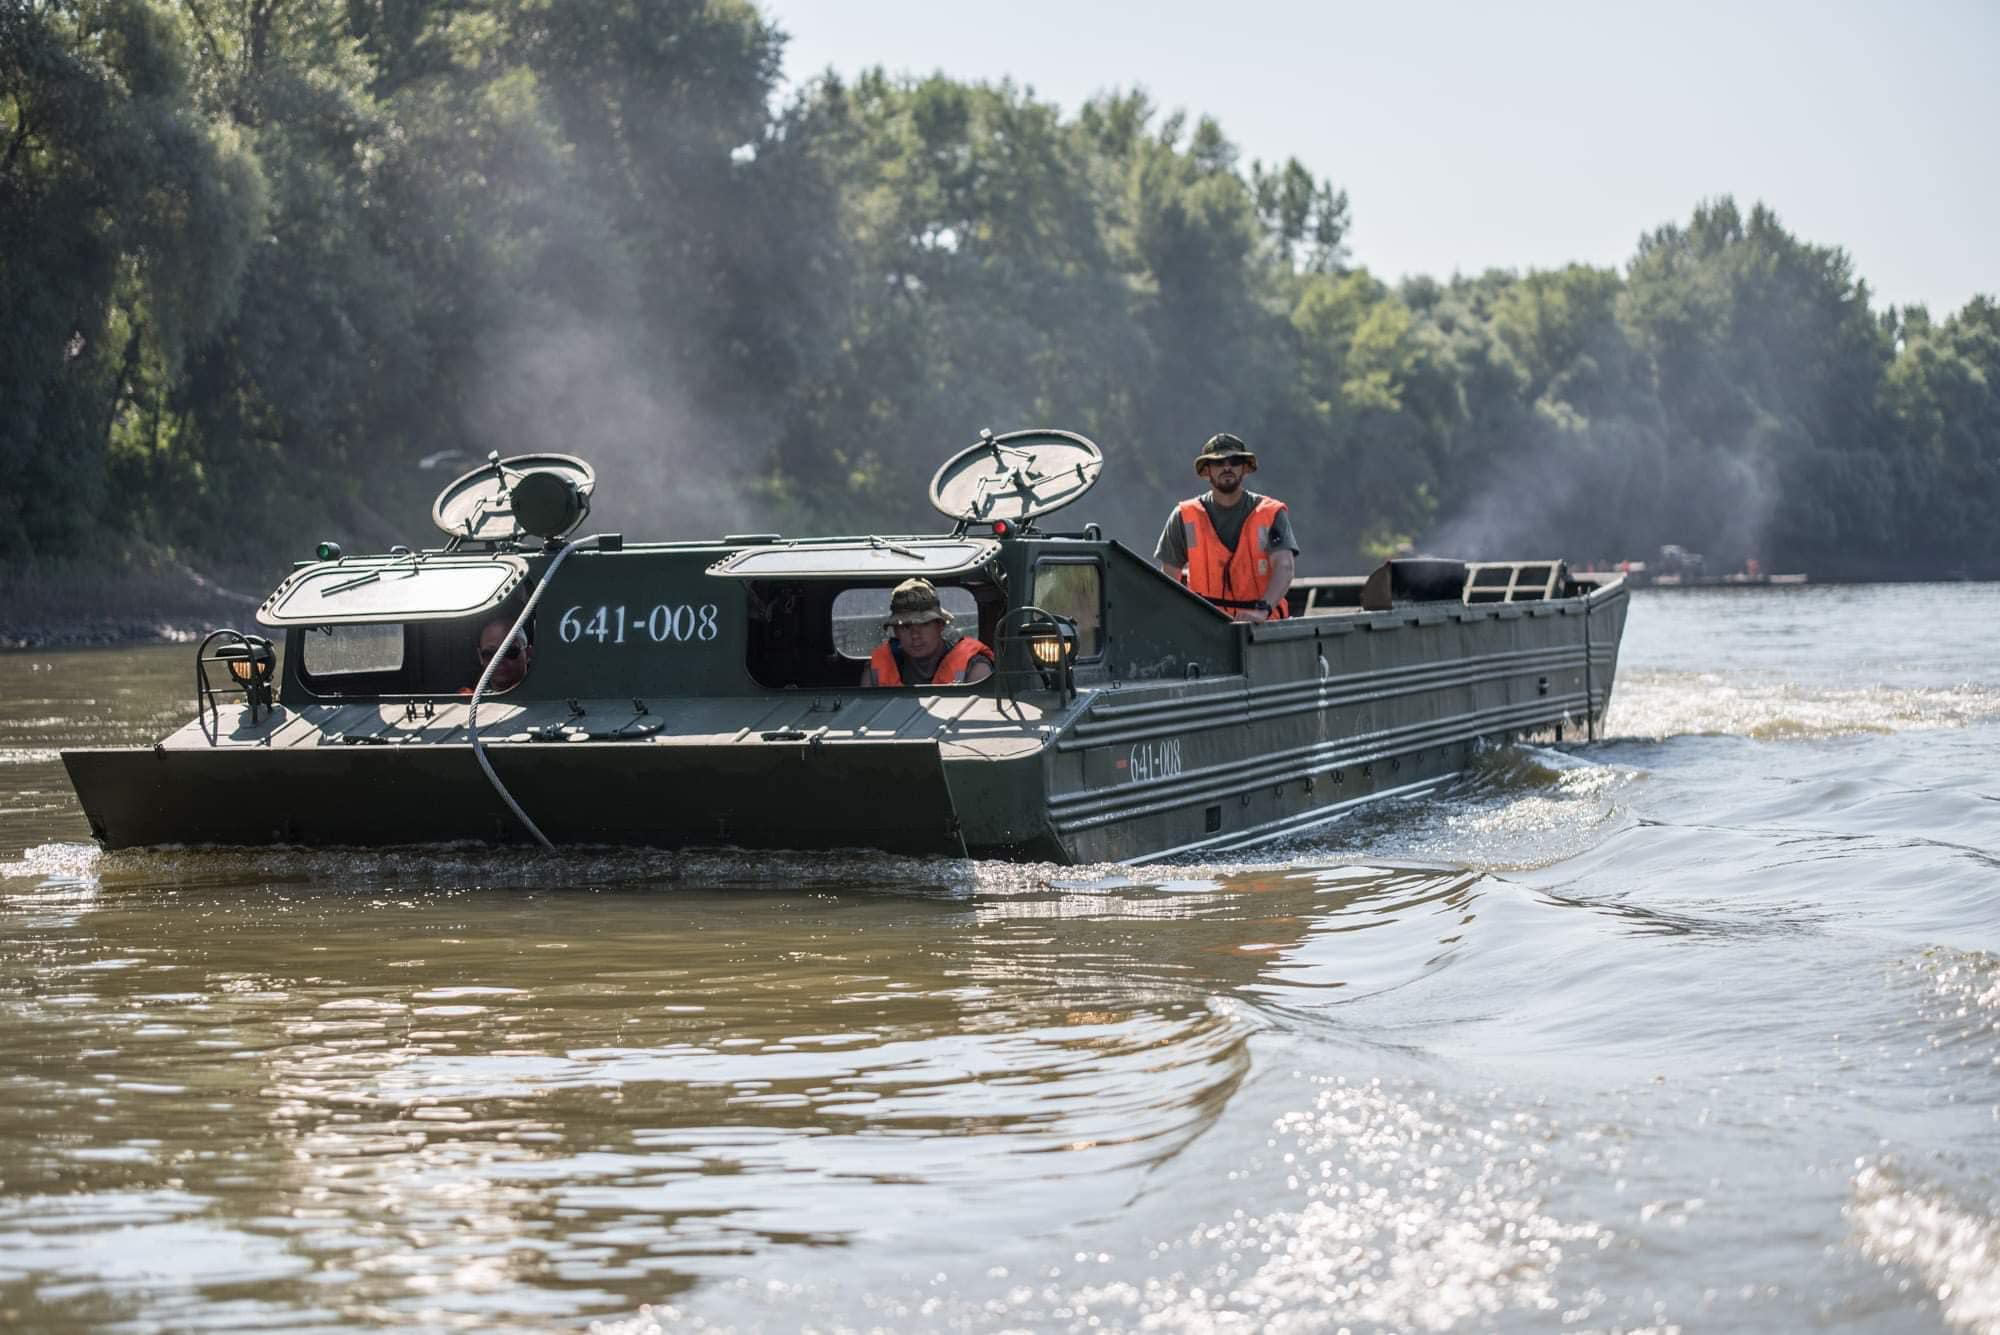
<point x="1016" y="477"/>
<point x="506" y="500"/>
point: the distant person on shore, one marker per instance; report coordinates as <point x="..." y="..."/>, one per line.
<point x="918" y="650"/>
<point x="1231" y="546"/>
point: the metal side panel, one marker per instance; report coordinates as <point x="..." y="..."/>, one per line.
<point x="890" y="795"/>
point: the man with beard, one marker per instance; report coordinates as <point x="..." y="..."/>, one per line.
<point x="1231" y="546"/>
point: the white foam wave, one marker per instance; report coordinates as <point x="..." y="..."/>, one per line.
<point x="56" y="863"/>
<point x="459" y="867"/>
<point x="1522" y="807"/>
<point x="1669" y="704"/>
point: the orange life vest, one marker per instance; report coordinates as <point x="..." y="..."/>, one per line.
<point x="1241" y="576"/>
<point x="950" y="669"/>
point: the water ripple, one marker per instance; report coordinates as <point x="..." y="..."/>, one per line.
<point x="1952" y="1244"/>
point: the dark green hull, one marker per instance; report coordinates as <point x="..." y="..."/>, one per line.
<point x="579" y="793"/>
<point x="1332" y="712"/>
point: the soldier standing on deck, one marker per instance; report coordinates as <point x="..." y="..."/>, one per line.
<point x="1231" y="546"/>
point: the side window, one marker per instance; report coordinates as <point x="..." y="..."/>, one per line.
<point x="347" y="651"/>
<point x="1074" y="589"/>
<point x="858" y="615"/>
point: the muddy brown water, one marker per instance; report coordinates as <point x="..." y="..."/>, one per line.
<point x="1697" y="1028"/>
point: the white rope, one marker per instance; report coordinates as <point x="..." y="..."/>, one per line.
<point x="479" y="691"/>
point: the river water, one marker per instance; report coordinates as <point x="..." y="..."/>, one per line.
<point x="1694" y="1028"/>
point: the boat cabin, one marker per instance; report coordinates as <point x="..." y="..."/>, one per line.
<point x="729" y="619"/>
<point x="755" y="613"/>
<point x="748" y="613"/>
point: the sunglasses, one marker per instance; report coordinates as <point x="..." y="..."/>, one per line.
<point x="486" y="655"/>
<point x="1232" y="461"/>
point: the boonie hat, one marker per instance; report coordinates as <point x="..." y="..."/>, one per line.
<point x="914" y="602"/>
<point x="1221" y="446"/>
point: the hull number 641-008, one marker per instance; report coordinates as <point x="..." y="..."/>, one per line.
<point x="1155" y="760"/>
<point x="666" y="623"/>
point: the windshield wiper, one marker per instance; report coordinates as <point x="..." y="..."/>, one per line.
<point x="370" y="576"/>
<point x="880" y="545"/>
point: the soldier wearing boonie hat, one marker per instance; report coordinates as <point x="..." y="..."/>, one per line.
<point x="920" y="650"/>
<point x="1231" y="546"/>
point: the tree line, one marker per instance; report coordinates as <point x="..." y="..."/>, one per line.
<point x="277" y="269"/>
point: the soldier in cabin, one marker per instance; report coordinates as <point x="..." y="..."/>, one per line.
<point x="514" y="663"/>
<point x="1231" y="546"/>
<point x="919" y="650"/>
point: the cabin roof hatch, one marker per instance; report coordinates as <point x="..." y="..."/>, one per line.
<point x="416" y="586"/>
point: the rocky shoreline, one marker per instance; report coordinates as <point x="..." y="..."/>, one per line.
<point x="107" y="633"/>
<point x="83" y="608"/>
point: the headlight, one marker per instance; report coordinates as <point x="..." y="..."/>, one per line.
<point x="252" y="662"/>
<point x="1051" y="645"/>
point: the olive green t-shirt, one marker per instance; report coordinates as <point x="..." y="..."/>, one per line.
<point x="1228" y="521"/>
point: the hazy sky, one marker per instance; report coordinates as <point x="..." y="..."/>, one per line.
<point x="1532" y="134"/>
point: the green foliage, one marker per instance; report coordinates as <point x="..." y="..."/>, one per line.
<point x="1942" y="393"/>
<point x="126" y="222"/>
<point x="1305" y="218"/>
<point x="260" y="259"/>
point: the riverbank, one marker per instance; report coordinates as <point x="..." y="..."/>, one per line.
<point x="61" y="605"/>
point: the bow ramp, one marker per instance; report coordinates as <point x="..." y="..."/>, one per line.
<point x="816" y="773"/>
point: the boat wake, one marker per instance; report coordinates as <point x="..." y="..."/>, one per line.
<point x="454" y="868"/>
<point x="1658" y="705"/>
<point x="1376" y="1200"/>
<point x="1519" y="806"/>
<point x="449" y="868"/>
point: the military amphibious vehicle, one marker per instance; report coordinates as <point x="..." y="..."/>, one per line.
<point x="680" y="694"/>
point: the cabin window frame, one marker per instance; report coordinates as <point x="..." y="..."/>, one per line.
<point x="762" y="654"/>
<point x="387" y="633"/>
<point x="440" y="662"/>
<point x="1103" y="601"/>
<point x="943" y="591"/>
<point x="336" y="687"/>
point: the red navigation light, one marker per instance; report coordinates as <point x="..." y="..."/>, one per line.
<point x="1002" y="529"/>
